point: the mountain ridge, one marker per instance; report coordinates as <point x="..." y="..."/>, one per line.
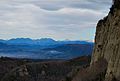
<point x="42" y="41"/>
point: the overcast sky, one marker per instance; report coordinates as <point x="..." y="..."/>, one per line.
<point x="58" y="19"/>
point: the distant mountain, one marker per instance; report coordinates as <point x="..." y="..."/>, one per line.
<point x="1" y="40"/>
<point x="28" y="41"/>
<point x="42" y="42"/>
<point x="19" y="41"/>
<point x="45" y="48"/>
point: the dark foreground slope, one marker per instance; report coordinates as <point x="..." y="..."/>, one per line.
<point x="7" y="64"/>
<point x="23" y="70"/>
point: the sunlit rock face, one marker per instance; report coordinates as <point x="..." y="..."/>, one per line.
<point x="107" y="42"/>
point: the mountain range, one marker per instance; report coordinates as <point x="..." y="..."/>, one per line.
<point x="44" y="48"/>
<point x="42" y="41"/>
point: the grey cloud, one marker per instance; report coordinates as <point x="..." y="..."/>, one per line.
<point x="51" y="18"/>
<point x="58" y="4"/>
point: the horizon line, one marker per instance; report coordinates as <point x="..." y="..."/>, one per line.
<point x="48" y="38"/>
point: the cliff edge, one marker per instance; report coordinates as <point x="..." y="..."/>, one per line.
<point x="107" y="42"/>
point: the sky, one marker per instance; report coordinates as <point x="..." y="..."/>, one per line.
<point x="58" y="19"/>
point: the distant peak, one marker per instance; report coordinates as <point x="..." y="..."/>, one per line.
<point x="20" y="39"/>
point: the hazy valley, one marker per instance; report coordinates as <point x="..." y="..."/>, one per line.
<point x="44" y="48"/>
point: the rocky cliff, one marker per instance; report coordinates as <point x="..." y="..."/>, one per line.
<point x="107" y="42"/>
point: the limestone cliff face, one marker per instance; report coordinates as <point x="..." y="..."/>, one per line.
<point x="107" y="42"/>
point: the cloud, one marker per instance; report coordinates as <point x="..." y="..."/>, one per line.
<point x="59" y="19"/>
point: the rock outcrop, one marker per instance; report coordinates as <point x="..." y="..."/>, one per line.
<point x="107" y="42"/>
